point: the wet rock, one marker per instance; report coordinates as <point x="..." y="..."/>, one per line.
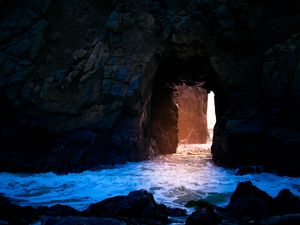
<point x="80" y="221"/>
<point x="249" y="169"/>
<point x="248" y="205"/>
<point x="4" y="201"/>
<point x="205" y="215"/>
<point x="289" y="219"/>
<point x="58" y="210"/>
<point x="249" y="201"/>
<point x="285" y="203"/>
<point x="137" y="204"/>
<point x="77" y="158"/>
<point x="15" y="214"/>
<point x="176" y="212"/>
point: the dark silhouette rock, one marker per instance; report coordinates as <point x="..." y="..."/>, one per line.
<point x="289" y="219"/>
<point x="137" y="204"/>
<point x="249" y="205"/>
<point x="138" y="207"/>
<point x="249" y="201"/>
<point x="249" y="169"/>
<point x="285" y="203"/>
<point x="15" y="214"/>
<point x="176" y="212"/>
<point x="205" y="214"/>
<point x="203" y="217"/>
<point x="80" y="221"/>
<point x="4" y="201"/>
<point x="109" y="76"/>
<point x="58" y="210"/>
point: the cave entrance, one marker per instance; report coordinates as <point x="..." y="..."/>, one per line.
<point x="196" y="117"/>
<point x="179" y="104"/>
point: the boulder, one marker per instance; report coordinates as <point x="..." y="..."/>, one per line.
<point x="250" y="202"/>
<point x="289" y="219"/>
<point x="137" y="204"/>
<point x="80" y="221"/>
<point x="176" y="212"/>
<point x="58" y="210"/>
<point x="285" y="203"/>
<point x="248" y="205"/>
<point x="205" y="215"/>
<point x="249" y="170"/>
<point x="15" y="214"/>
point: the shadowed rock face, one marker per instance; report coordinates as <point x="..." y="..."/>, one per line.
<point x="89" y="82"/>
<point x="248" y="205"/>
<point x="138" y="207"/>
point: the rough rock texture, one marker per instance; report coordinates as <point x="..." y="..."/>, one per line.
<point x="138" y="204"/>
<point x="285" y="203"/>
<point x="192" y="111"/>
<point x="80" y="221"/>
<point x="249" y="205"/>
<point x="15" y="214"/>
<point x="206" y="215"/>
<point x="259" y="80"/>
<point x="91" y="82"/>
<point x="249" y="201"/>
<point x="137" y="208"/>
<point x="140" y="208"/>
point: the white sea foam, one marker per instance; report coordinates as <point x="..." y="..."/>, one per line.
<point x="173" y="179"/>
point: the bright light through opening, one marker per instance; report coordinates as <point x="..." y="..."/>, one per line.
<point x="196" y="118"/>
<point x="211" y="115"/>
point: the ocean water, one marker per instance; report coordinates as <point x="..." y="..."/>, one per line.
<point x="173" y="179"/>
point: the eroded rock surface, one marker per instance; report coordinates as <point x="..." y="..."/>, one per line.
<point x="85" y="83"/>
<point x="137" y="208"/>
<point x="249" y="205"/>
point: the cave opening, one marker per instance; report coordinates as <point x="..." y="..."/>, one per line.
<point x="182" y="104"/>
<point x="196" y="117"/>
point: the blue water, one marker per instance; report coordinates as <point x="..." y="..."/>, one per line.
<point x="173" y="179"/>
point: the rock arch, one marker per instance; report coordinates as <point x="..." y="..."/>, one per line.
<point x="87" y="85"/>
<point x="173" y="71"/>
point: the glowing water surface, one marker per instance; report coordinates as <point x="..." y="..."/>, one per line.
<point x="173" y="179"/>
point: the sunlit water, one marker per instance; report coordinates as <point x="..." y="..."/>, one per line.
<point x="173" y="179"/>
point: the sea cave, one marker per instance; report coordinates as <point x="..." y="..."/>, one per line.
<point x="149" y="112"/>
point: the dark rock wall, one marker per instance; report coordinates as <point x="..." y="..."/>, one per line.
<point x="77" y="79"/>
<point x="258" y="72"/>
